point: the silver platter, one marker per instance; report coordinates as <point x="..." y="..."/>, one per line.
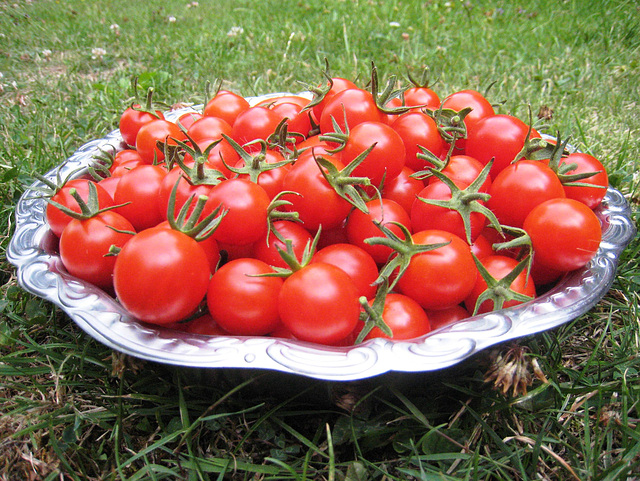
<point x="33" y="250"/>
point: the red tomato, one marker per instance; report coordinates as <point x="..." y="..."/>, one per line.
<point x="150" y="134"/>
<point x="241" y="301"/>
<point x="254" y="123"/>
<point x="184" y="191"/>
<point x="353" y="260"/>
<point x="209" y="246"/>
<point x="271" y="180"/>
<point x="317" y="204"/>
<point x="298" y="120"/>
<point x="226" y="105"/>
<point x="442" y="277"/>
<point x="444" y="317"/>
<point x="124" y="161"/>
<point x="384" y="161"/>
<point x="428" y="216"/>
<point x="418" y="130"/>
<point x="519" y="188"/>
<point x="132" y="119"/>
<point x="591" y="196"/>
<point x="565" y="234"/>
<point x="220" y="154"/>
<point x="319" y="303"/>
<point x="465" y="169"/>
<point x="360" y="226"/>
<point x="404" y="316"/>
<point x="481" y="246"/>
<point x="403" y="188"/>
<point x="480" y="108"/>
<point x="140" y="187"/>
<point x="161" y="276"/>
<point x="208" y="128"/>
<point x="338" y="85"/>
<point x="499" y="267"/>
<point x="499" y="137"/>
<point x="356" y="105"/>
<point x="204" y="325"/>
<point x="186" y="120"/>
<point x="84" y="245"/>
<point x="268" y="251"/>
<point x="422" y="96"/>
<point x="57" y="219"/>
<point x="246" y="203"/>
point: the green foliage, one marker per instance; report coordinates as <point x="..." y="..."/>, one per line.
<point x="71" y="408"/>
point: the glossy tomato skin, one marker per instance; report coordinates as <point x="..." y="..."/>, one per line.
<point x="590" y="196"/>
<point x="159" y="130"/>
<point x="241" y="300"/>
<point x="480" y="109"/>
<point x="161" y="276"/>
<point x="226" y="105"/>
<point x="498" y="267"/>
<point x="418" y="130"/>
<point x="353" y="260"/>
<point x="208" y="128"/>
<point x="519" y="188"/>
<point x="138" y="189"/>
<point x="247" y="208"/>
<point x="499" y="137"/>
<point x="442" y="277"/>
<point x="464" y="168"/>
<point x="57" y="219"/>
<point x="405" y="318"/>
<point x="444" y="317"/>
<point x="255" y="123"/>
<point x="268" y="251"/>
<point x="423" y="97"/>
<point x="319" y="303"/>
<point x="428" y="216"/>
<point x="361" y="226"/>
<point x="184" y="190"/>
<point x="565" y="234"/>
<point x="338" y="85"/>
<point x="132" y="119"/>
<point x="403" y="189"/>
<point x="356" y="104"/>
<point x="84" y="245"/>
<point x="317" y="204"/>
<point x="386" y="159"/>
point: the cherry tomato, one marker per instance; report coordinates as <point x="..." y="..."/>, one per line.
<point x="84" y="245"/>
<point x="57" y="219"/>
<point x="161" y="276"/>
<point x="268" y="251"/>
<point x="138" y="189"/>
<point x="403" y="188"/>
<point x="464" y="168"/>
<point x="246" y="203"/>
<point x="319" y="303"/>
<point x="317" y="204"/>
<point x="208" y="128"/>
<point x="361" y="226"/>
<point x="404" y="316"/>
<point x="338" y="85"/>
<point x="444" y="317"/>
<point x="418" y="130"/>
<point x="441" y="277"/>
<point x="226" y="105"/>
<point x="423" y="97"/>
<point x="499" y="267"/>
<point x="353" y="260"/>
<point x="590" y="196"/>
<point x="565" y="234"/>
<point x="384" y="161"/>
<point x="255" y="123"/>
<point x="480" y="108"/>
<point x="498" y="137"/>
<point x="356" y="105"/>
<point x="150" y="134"/>
<point x="243" y="302"/>
<point x="519" y="188"/>
<point x="132" y="119"/>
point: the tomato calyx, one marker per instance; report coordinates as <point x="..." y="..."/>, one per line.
<point x="425" y="77"/>
<point x="371" y="314"/>
<point x="198" y="174"/>
<point x="534" y="148"/>
<point x="343" y="183"/>
<point x="562" y="168"/>
<point x="281" y="139"/>
<point x="254" y="164"/>
<point x="274" y="213"/>
<point x="389" y="93"/>
<point x="499" y="290"/>
<point x="89" y="208"/>
<point x="288" y="255"/>
<point x="319" y="93"/>
<point x="146" y="104"/>
<point x="466" y="201"/>
<point x="450" y="122"/>
<point x="404" y="249"/>
<point x="188" y="220"/>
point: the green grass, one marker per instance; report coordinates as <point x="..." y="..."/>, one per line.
<point x="72" y="409"/>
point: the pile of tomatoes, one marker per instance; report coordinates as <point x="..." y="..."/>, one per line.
<point x="331" y="218"/>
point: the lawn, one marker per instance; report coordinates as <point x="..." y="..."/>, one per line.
<point x="73" y="409"/>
